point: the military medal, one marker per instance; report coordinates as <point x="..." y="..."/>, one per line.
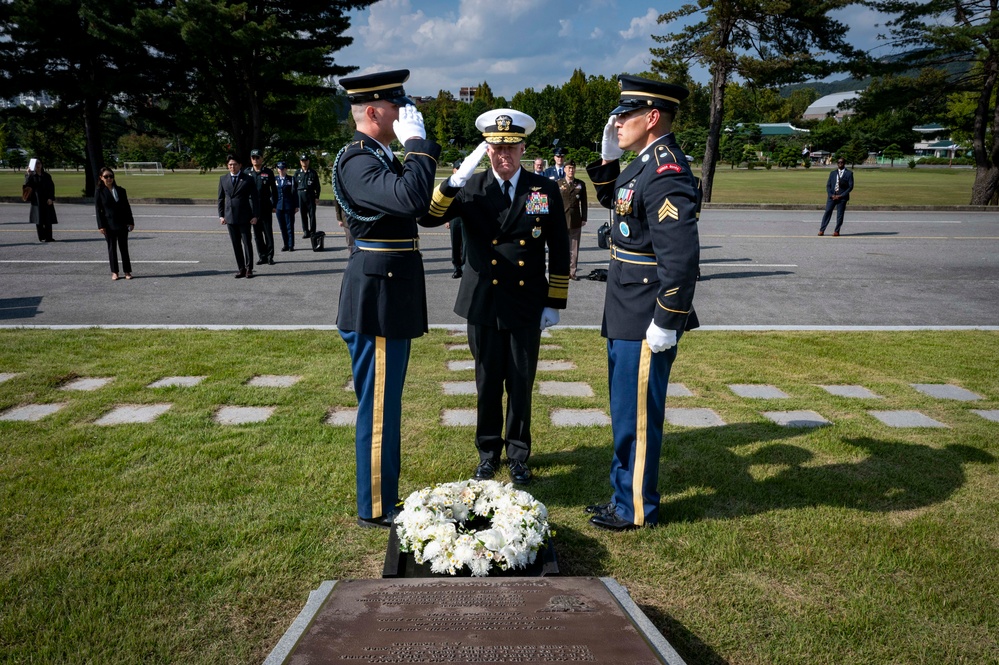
<point x="623" y="204"/>
<point x="537" y="204"/>
<point x="625" y="229"/>
<point x="645" y="158"/>
<point x="536" y="232"/>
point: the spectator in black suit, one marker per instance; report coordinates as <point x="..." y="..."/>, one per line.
<point x="114" y="220"/>
<point x="838" y="188"/>
<point x="239" y="207"/>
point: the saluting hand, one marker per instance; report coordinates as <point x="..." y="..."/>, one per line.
<point x="409" y="125"/>
<point x="610" y="149"/>
<point x="464" y="172"/>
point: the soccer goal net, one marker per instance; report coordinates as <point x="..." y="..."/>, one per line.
<point x="143" y="168"/>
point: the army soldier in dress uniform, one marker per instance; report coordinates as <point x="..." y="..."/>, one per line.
<point x="650" y="287"/>
<point x="383" y="299"/>
<point x="509" y="217"/>
<point x="308" y="188"/>
<point x="263" y="231"/>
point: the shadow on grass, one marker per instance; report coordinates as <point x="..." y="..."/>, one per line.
<point x="892" y="476"/>
<point x="687" y="644"/>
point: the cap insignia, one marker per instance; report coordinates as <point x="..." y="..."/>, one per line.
<point x="503" y="123"/>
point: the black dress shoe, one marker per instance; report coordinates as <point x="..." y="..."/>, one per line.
<point x="241" y="274"/>
<point x="519" y="473"/>
<point x="270" y="262"/>
<point x="611" y="522"/>
<point x="261" y="262"/>
<point x="602" y="508"/>
<point x="284" y="249"/>
<point x="456" y="274"/>
<point x="486" y="470"/>
<point x="291" y="249"/>
<point x="383" y="522"/>
<point x="306" y="236"/>
<point x="249" y="274"/>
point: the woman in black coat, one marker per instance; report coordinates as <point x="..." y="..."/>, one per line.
<point x="42" y="200"/>
<point x="114" y="219"/>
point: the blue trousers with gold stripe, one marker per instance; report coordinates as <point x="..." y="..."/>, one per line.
<point x="637" y="380"/>
<point x="379" y="367"/>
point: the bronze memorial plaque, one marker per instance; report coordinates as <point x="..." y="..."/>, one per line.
<point x="476" y="620"/>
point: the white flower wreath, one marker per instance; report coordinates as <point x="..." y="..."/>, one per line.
<point x="437" y="525"/>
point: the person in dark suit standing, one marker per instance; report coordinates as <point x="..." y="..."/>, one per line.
<point x="285" y="206"/>
<point x="650" y="287"/>
<point x="263" y="230"/>
<point x="114" y="220"/>
<point x="510" y="217"/>
<point x="557" y="170"/>
<point x="838" y="188"/>
<point x="574" y="202"/>
<point x="42" y="200"/>
<point x="239" y="207"/>
<point x="308" y="187"/>
<point x="383" y="298"/>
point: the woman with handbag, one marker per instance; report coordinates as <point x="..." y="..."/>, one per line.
<point x="39" y="191"/>
<point x="114" y="220"/>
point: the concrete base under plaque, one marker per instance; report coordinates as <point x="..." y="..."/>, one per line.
<point x="473" y="620"/>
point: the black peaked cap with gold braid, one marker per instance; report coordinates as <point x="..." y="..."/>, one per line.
<point x="383" y="86"/>
<point x="639" y="93"/>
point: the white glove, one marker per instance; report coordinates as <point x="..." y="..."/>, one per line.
<point x="464" y="172"/>
<point x="609" y="147"/>
<point x="409" y="125"/>
<point x="549" y="317"/>
<point x="660" y="339"/>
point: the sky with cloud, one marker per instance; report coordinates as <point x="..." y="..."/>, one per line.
<point x="518" y="44"/>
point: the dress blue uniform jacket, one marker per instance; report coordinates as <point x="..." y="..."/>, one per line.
<point x="504" y="282"/>
<point x="383" y="292"/>
<point x="284" y="194"/>
<point x="654" y="239"/>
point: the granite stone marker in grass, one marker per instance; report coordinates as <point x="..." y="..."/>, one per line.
<point x="87" y="384"/>
<point x="677" y="390"/>
<point x="460" y="365"/>
<point x="242" y="415"/>
<point x="580" y="418"/>
<point x="177" y="382"/>
<point x="133" y="413"/>
<point x="565" y="388"/>
<point x="7" y="376"/>
<point x="905" y="419"/>
<point x="946" y="391"/>
<point x="30" y="412"/>
<point x="988" y="414"/>
<point x="796" y="418"/>
<point x="458" y="387"/>
<point x="273" y="381"/>
<point x="342" y="417"/>
<point x="693" y="418"/>
<point x="859" y="392"/>
<point x="555" y="365"/>
<point x="458" y="417"/>
<point x="758" y="391"/>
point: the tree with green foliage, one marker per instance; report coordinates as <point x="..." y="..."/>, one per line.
<point x="250" y="70"/>
<point x="939" y="35"/>
<point x="892" y="153"/>
<point x="853" y="152"/>
<point x="84" y="54"/>
<point x="765" y="42"/>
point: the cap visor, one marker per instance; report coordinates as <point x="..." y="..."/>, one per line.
<point x="402" y="101"/>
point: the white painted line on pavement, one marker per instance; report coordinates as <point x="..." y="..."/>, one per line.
<point x="761" y="328"/>
<point x="105" y="261"/>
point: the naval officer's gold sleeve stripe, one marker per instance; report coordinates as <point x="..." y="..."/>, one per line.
<point x="595" y="184"/>
<point x="558" y="293"/>
<point x="439" y="203"/>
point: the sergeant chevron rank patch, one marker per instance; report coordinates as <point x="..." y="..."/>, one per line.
<point x="668" y="210"/>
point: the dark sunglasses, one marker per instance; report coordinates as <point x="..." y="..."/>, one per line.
<point x="107" y="177"/>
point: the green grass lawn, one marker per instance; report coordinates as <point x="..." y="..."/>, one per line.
<point x="876" y="186"/>
<point x="184" y="541"/>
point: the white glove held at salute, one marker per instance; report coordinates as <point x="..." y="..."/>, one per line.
<point x="549" y="317"/>
<point x="609" y="148"/>
<point x="660" y="339"/>
<point x="464" y="172"/>
<point x="409" y="125"/>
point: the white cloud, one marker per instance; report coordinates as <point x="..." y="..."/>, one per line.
<point x="641" y="26"/>
<point x="565" y="27"/>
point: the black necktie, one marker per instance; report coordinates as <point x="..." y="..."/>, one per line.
<point x="234" y="181"/>
<point x="506" y="189"/>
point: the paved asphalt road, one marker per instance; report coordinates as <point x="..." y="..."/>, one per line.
<point x="764" y="268"/>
